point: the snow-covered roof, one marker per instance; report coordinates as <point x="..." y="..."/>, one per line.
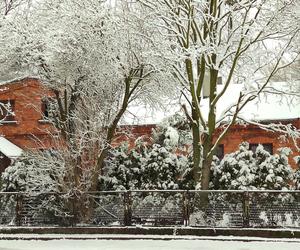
<point x="9" y="149"/>
<point x="270" y="105"/>
<point x="5" y="81"/>
<point x="274" y="103"/>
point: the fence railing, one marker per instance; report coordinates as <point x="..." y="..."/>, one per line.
<point x="223" y="208"/>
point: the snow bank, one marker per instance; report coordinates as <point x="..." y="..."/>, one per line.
<point x="207" y="244"/>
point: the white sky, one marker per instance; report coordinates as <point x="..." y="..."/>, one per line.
<point x="267" y="107"/>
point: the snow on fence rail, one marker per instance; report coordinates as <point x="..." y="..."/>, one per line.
<point x="225" y="208"/>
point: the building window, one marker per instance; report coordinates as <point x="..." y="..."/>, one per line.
<point x="7" y="108"/>
<point x="46" y="107"/>
<point x="220" y="151"/>
<point x="267" y="146"/>
<point x="45" y="110"/>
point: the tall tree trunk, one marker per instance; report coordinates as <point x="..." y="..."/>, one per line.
<point x="196" y="150"/>
<point x="208" y="138"/>
<point x="205" y="173"/>
<point x="110" y="135"/>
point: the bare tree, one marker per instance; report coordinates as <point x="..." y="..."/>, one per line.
<point x="235" y="40"/>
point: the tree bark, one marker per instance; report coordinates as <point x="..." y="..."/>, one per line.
<point x="196" y="150"/>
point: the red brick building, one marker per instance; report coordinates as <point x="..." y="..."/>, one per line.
<point x="254" y="135"/>
<point x="25" y="125"/>
<point x="27" y="129"/>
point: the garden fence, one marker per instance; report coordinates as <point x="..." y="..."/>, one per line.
<point x="223" y="208"/>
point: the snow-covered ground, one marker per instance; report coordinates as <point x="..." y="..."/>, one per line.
<point x="220" y="243"/>
<point x="145" y="245"/>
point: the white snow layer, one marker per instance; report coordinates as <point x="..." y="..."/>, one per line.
<point x="227" y="243"/>
<point x="9" y="149"/>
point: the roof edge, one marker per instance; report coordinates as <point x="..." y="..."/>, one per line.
<point x="18" y="80"/>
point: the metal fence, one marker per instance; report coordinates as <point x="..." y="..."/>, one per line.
<point x="240" y="209"/>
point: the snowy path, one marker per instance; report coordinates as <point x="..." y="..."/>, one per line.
<point x="145" y="245"/>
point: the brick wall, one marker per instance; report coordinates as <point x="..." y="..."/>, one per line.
<point x="131" y="132"/>
<point x="236" y="135"/>
<point x="255" y="135"/>
<point x="28" y="131"/>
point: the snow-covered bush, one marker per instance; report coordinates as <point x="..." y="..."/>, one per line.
<point x="123" y="168"/>
<point x="244" y="169"/>
<point x="145" y="167"/>
<point x="236" y="171"/>
<point x="274" y="172"/>
<point x="149" y="166"/>
<point x="297" y="173"/>
<point x="163" y="168"/>
<point x="152" y="166"/>
<point x="33" y="175"/>
<point x="168" y="162"/>
<point x="173" y="131"/>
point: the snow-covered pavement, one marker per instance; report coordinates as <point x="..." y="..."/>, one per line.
<point x="195" y="244"/>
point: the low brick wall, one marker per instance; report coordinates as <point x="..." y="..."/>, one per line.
<point x="142" y="231"/>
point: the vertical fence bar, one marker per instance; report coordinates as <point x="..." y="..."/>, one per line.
<point x="186" y="212"/>
<point x="19" y="205"/>
<point x="246" y="210"/>
<point x="74" y="212"/>
<point x="127" y="208"/>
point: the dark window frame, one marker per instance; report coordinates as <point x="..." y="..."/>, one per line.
<point x="267" y="146"/>
<point x="45" y="109"/>
<point x="7" y="116"/>
<point x="219" y="152"/>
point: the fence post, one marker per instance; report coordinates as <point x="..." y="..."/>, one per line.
<point x="127" y="208"/>
<point x="246" y="210"/>
<point x="19" y="206"/>
<point x="186" y="212"/>
<point x="74" y="209"/>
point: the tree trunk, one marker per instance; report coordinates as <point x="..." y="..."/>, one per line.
<point x="196" y="151"/>
<point x="206" y="165"/>
<point x="111" y="132"/>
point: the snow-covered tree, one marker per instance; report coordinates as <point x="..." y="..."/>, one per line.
<point x="97" y="59"/>
<point x="7" y="6"/>
<point x="291" y="74"/>
<point x="235" y="40"/>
